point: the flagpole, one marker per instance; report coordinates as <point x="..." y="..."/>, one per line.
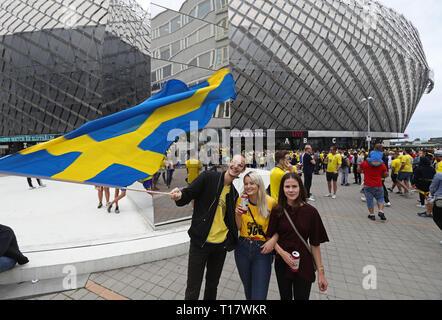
<point x="148" y="191"/>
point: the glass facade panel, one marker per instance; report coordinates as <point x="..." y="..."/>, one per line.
<point x="80" y="67"/>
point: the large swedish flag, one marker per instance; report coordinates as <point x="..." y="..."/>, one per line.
<point x="129" y="145"/>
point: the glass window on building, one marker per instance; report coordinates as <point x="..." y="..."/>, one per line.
<point x="221" y="29"/>
<point x="165" y="53"/>
<point x="167" y="71"/>
<point x="220" y="5"/>
<point x="176" y="47"/>
<point x="175" y="24"/>
<point x="204" y="60"/>
<point x="204" y="8"/>
<point x="164" y="29"/>
<point x="205" y="32"/>
<point x="192" y="39"/>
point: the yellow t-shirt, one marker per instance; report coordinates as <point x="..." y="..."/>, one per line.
<point x="193" y="169"/>
<point x="163" y="164"/>
<point x="218" y="231"/>
<point x="333" y="161"/>
<point x="439" y="167"/>
<point x="275" y="180"/>
<point x="408" y="163"/>
<point x="396" y="165"/>
<point x="248" y="227"/>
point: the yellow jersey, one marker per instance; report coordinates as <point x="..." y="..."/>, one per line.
<point x="333" y="161"/>
<point x="408" y="160"/>
<point x="193" y="169"/>
<point x="275" y="180"/>
<point x="396" y="165"/>
<point x="218" y="231"/>
<point x="248" y="228"/>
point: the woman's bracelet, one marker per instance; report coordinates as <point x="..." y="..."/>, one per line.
<point x="321" y="268"/>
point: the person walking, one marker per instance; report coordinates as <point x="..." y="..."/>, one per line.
<point x="357" y="160"/>
<point x="395" y="166"/>
<point x="422" y="177"/>
<point x="373" y="187"/>
<point x="434" y="202"/>
<point x="118" y="196"/>
<point x="345" y="169"/>
<point x="101" y="190"/>
<point x="293" y="212"/>
<point x="308" y="164"/>
<point x="405" y="172"/>
<point x="333" y="162"/>
<point x="253" y="256"/>
<point x="170" y="169"/>
<point x="213" y="230"/>
<point x="41" y="185"/>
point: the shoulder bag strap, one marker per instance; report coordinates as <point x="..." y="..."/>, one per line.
<point x="260" y="232"/>
<point x="299" y="235"/>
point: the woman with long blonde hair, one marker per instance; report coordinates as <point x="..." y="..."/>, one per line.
<point x="253" y="255"/>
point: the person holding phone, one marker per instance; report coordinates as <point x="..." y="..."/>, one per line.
<point x="253" y="255"/>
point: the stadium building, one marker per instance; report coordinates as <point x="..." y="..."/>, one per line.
<point x="64" y="63"/>
<point x="309" y="69"/>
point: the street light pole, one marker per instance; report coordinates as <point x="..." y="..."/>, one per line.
<point x="368" y="119"/>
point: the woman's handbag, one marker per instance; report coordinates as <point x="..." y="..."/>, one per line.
<point x="302" y="239"/>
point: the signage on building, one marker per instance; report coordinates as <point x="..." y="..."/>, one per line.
<point x="34" y="138"/>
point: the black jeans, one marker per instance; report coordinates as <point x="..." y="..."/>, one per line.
<point x="308" y="182"/>
<point x="357" y="175"/>
<point x="211" y="256"/>
<point x="291" y="289"/>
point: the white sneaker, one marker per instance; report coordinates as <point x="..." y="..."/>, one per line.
<point x="363" y="198"/>
<point x="328" y="195"/>
<point x="420" y="206"/>
<point x="388" y="204"/>
<point x="334" y="196"/>
<point x="311" y="199"/>
<point x="42" y="186"/>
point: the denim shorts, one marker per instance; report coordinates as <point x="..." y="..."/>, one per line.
<point x="372" y="193"/>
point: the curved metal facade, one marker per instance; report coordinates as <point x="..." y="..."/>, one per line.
<point x="306" y="65"/>
<point x="65" y="63"/>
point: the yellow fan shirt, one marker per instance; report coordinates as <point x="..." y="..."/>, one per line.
<point x="218" y="231"/>
<point x="333" y="161"/>
<point x="248" y="227"/>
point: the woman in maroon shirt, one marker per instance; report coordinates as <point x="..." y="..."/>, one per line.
<point x="292" y="198"/>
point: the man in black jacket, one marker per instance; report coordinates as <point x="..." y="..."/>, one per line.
<point x="213" y="230"/>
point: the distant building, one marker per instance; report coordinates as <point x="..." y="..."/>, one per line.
<point x="66" y="63"/>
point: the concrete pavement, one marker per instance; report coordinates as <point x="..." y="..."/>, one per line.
<point x="364" y="260"/>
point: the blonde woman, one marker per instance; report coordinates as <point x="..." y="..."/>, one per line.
<point x="253" y="254"/>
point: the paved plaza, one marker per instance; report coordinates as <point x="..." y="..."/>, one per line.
<point x="364" y="260"/>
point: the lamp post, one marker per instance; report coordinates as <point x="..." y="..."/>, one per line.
<point x="368" y="119"/>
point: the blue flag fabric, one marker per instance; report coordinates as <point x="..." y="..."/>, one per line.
<point x="127" y="146"/>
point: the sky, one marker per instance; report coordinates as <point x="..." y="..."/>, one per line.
<point x="426" y="16"/>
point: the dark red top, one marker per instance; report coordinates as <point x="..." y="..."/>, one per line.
<point x="309" y="224"/>
<point x="373" y="175"/>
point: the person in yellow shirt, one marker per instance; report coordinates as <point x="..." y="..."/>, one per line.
<point x="438" y="165"/>
<point x="406" y="171"/>
<point x="334" y="162"/>
<point x="253" y="254"/>
<point x="193" y="169"/>
<point x="282" y="159"/>
<point x="213" y="230"/>
<point x="395" y="166"/>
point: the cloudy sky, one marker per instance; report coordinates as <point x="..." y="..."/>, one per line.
<point x="426" y="16"/>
